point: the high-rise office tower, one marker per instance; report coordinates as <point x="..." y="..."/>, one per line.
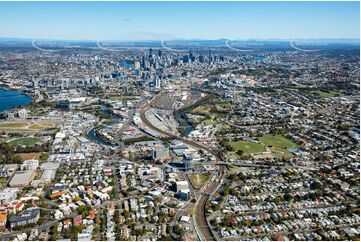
<point x="136" y="65"/>
<point x="209" y="57"/>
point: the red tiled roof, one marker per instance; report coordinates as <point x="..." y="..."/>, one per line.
<point x="19" y="204"/>
<point x="3" y="218"/>
<point x="57" y="194"/>
<point x="78" y="220"/>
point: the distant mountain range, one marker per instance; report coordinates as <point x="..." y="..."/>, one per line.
<point x="261" y="43"/>
<point x="319" y="40"/>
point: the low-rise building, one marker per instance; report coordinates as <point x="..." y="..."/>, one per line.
<point x="22" y="178"/>
<point x="3" y="220"/>
<point x="31" y="215"/>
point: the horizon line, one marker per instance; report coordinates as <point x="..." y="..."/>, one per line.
<point x="184" y="39"/>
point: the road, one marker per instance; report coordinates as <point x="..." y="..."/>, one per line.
<point x="202" y="228"/>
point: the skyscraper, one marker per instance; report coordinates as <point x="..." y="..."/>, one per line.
<point x="209" y="57"/>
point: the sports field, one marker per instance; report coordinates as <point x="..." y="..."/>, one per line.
<point x="26" y="126"/>
<point x="278" y="141"/>
<point x="276" y="146"/>
<point x="326" y="94"/>
<point x="247" y="147"/>
<point x="26" y="141"/>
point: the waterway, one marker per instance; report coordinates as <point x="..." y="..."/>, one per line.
<point x="183" y="121"/>
<point x="93" y="134"/>
<point x="10" y="99"/>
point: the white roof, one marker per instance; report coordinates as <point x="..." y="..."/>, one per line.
<point x="185" y="219"/>
<point x="21" y="178"/>
<point x="50" y="165"/>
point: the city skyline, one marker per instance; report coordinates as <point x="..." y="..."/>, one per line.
<point x="179" y="121"/>
<point x="180" y="20"/>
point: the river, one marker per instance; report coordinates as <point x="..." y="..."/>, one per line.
<point x="10" y="99"/>
<point x="93" y="134"/>
<point x="183" y="121"/>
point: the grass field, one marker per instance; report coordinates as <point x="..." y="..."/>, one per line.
<point x="279" y="146"/>
<point x="29" y="156"/>
<point x="24" y="126"/>
<point x="222" y="106"/>
<point x="279" y="154"/>
<point x="198" y="179"/>
<point x="326" y="94"/>
<point x="247" y="147"/>
<point x="224" y="127"/>
<point x="277" y="141"/>
<point x="36" y="155"/>
<point x="13" y="125"/>
<point x="276" y="146"/>
<point x="26" y="141"/>
<point x="208" y="121"/>
<point x="41" y="125"/>
<point x="202" y="110"/>
<point x="235" y="169"/>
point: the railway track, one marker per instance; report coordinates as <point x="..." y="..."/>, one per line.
<point x="186" y="141"/>
<point x="200" y="215"/>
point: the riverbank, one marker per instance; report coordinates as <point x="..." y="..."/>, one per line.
<point x="24" y="91"/>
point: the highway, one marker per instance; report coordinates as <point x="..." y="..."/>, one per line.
<point x="202" y="228"/>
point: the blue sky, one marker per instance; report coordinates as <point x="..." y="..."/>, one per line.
<point x="188" y="20"/>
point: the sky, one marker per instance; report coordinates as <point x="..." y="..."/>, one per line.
<point x="179" y="20"/>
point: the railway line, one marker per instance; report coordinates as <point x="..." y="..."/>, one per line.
<point x="201" y="217"/>
<point x="201" y="223"/>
